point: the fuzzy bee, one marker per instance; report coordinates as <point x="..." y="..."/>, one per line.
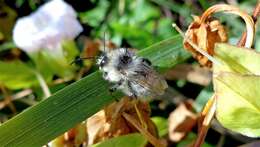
<point x="133" y="75"/>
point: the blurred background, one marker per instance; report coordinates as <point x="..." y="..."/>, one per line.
<point x="127" y="23"/>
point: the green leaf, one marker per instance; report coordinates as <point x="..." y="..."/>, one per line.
<point x="17" y="75"/>
<point x="53" y="116"/>
<point x="136" y="36"/>
<point x="189" y="140"/>
<point x="239" y="103"/>
<point x="66" y="108"/>
<point x="144" y="11"/>
<point x="131" y="140"/>
<point x="70" y="50"/>
<point x="6" y="46"/>
<point x="236" y="85"/>
<point x="50" y="64"/>
<point x="161" y="124"/>
<point x="172" y="55"/>
<point x="238" y="60"/>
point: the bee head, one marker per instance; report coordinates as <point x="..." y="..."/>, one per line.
<point x="125" y="59"/>
<point x="102" y="60"/>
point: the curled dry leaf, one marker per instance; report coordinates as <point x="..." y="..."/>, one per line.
<point x="181" y="121"/>
<point x="205" y="35"/>
<point x="109" y="122"/>
<point x="205" y="31"/>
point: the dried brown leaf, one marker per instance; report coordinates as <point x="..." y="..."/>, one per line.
<point x="205" y="31"/>
<point x="111" y="123"/>
<point x="75" y="137"/>
<point x="181" y="121"/>
<point x="205" y="35"/>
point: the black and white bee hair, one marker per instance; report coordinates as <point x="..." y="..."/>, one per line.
<point x="130" y="73"/>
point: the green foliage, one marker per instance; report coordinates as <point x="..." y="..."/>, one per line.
<point x="131" y="140"/>
<point x="203" y="98"/>
<point x="161" y="124"/>
<point x="189" y="139"/>
<point x="95" y="16"/>
<point x="16" y="75"/>
<point x="73" y="104"/>
<point x="127" y="23"/>
<point x="236" y="81"/>
<point x="50" y="63"/>
<point x="139" y="22"/>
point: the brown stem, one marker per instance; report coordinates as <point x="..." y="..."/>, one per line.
<point x="208" y="112"/>
<point x="16" y="96"/>
<point x="154" y="141"/>
<point x="256" y="13"/>
<point x="8" y="99"/>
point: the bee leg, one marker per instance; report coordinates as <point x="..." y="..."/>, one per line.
<point x="114" y="88"/>
<point x="148" y="62"/>
<point x="133" y="93"/>
<point x="105" y="75"/>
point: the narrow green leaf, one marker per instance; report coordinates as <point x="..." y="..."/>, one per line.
<point x="46" y="120"/>
<point x="131" y="140"/>
<point x="43" y="122"/>
<point x="166" y="54"/>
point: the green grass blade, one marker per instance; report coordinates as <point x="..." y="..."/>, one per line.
<point x="43" y="122"/>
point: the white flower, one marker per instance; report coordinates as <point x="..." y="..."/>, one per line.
<point x="51" y="24"/>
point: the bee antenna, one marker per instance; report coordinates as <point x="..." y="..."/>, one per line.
<point x="80" y="59"/>
<point x="104" y="42"/>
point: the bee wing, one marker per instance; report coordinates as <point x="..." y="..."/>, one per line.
<point x="149" y="79"/>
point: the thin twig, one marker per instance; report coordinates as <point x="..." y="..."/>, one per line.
<point x="22" y="94"/>
<point x="255" y="15"/>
